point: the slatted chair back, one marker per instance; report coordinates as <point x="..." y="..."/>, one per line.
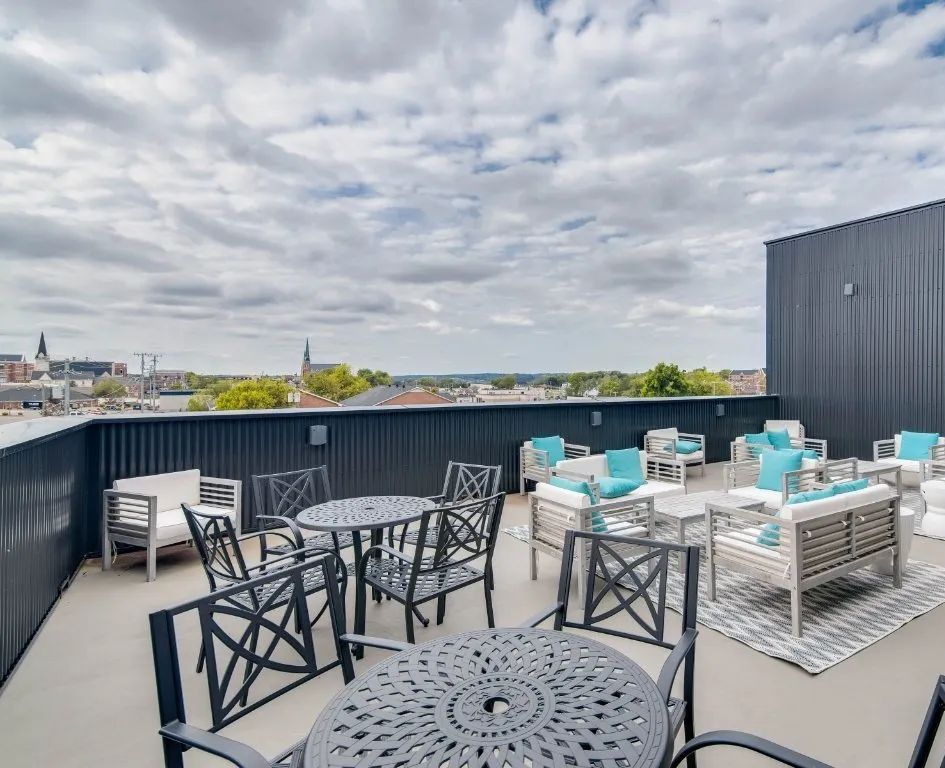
<point x="287" y="493"/>
<point x="468" y="482"/>
<point x="629" y="576"/>
<point x="464" y="532"/>
<point x="218" y="545"/>
<point x="254" y="651"/>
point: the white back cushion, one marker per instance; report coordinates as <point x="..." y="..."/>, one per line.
<point x="839" y="503"/>
<point x="793" y="427"/>
<point x="562" y="495"/>
<point x="172" y="489"/>
<point x="585" y="465"/>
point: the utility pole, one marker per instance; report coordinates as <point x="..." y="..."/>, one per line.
<point x="142" y="355"/>
<point x="154" y="359"/>
<point x="66" y="387"/>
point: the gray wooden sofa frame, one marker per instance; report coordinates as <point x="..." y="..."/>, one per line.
<point x="131" y="518"/>
<point x="654" y="444"/>
<point x="535" y="465"/>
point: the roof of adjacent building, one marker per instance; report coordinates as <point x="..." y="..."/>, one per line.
<point x="34" y="394"/>
<point x="4" y="358"/>
<point x="381" y="394"/>
<point x="746" y="371"/>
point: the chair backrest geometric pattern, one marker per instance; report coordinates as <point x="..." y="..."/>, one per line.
<point x="254" y="649"/>
<point x="467" y="482"/>
<point x="218" y="546"/>
<point x="930" y="726"/>
<point x="626" y="576"/>
<point x="287" y="493"/>
<point x="464" y="532"/>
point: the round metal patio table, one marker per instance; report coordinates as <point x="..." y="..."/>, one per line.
<point x="364" y="513"/>
<point x="503" y="698"/>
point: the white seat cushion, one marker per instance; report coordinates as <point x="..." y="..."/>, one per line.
<point x="171" y="489"/>
<point x="771" y="499"/>
<point x="906" y="465"/>
<point x="690" y="457"/>
<point x="658" y="489"/>
<point x="746" y="540"/>
<point x="620" y="528"/>
<point x="171" y="523"/>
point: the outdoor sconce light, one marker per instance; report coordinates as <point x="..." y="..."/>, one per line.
<point x="720" y="409"/>
<point x="849" y="289"/>
<point x="318" y="435"/>
<point x="596" y="419"/>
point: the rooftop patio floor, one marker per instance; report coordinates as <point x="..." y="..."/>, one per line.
<point x="84" y="694"/>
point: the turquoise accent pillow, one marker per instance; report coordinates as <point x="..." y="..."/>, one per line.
<point x="553" y="445"/>
<point x="687" y="446"/>
<point x="818" y="495"/>
<point x="770" y="535"/>
<point x="779" y="438"/>
<point x="578" y="486"/>
<point x="849" y="486"/>
<point x="773" y="466"/>
<point x="615" y="487"/>
<point x="807" y="453"/>
<point x="598" y="524"/>
<point x="757" y="443"/>
<point x="625" y="464"/>
<point x="914" y="446"/>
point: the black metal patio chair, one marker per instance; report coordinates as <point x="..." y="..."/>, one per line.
<point x="252" y="657"/>
<point x="785" y="756"/>
<point x="629" y="576"/>
<point x="278" y="499"/>
<point x="466" y="533"/>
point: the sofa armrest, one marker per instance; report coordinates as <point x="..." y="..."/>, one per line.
<point x="574" y="451"/>
<point x="884" y="449"/>
<point x="534" y="464"/>
<point x="813" y="444"/>
<point x="740" y="474"/>
<point x="127" y="513"/>
<point x="933" y="470"/>
<point x="665" y="470"/>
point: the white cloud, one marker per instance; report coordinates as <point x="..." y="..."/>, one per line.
<point x="427" y="167"/>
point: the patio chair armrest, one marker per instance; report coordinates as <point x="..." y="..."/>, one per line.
<point x="298" y="545"/>
<point x="747" y="741"/>
<point x="287" y="522"/>
<point x="234" y="752"/>
<point x="541" y="616"/>
<point x="387" y="551"/>
<point x="747" y="515"/>
<point x="296" y="554"/>
<point x="671" y="666"/>
<point x="375" y="642"/>
<point x="438" y="498"/>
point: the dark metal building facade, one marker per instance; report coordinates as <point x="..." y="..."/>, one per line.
<point x="856" y="328"/>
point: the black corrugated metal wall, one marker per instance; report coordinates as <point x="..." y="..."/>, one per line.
<point x="859" y="368"/>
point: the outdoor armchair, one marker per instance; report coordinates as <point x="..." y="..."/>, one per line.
<point x="741" y="450"/>
<point x="887" y="452"/>
<point x="146" y="511"/>
<point x="741" y="478"/>
<point x="536" y="465"/>
<point x="664" y="442"/>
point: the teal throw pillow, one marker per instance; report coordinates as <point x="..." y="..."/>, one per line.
<point x="849" y="486"/>
<point x="687" y="446"/>
<point x="914" y="446"/>
<point x="773" y="466"/>
<point x="553" y="445"/>
<point x="804" y="496"/>
<point x="770" y="535"/>
<point x="625" y="464"/>
<point x="615" y="487"/>
<point x="598" y="524"/>
<point x="578" y="486"/>
<point x="757" y="443"/>
<point x="779" y="438"/>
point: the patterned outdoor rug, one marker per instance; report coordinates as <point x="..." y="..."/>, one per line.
<point x="841" y="617"/>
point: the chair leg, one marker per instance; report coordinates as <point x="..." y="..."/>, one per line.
<point x="689" y="725"/>
<point x="489" y="614"/>
<point x="440" y="609"/>
<point x="423" y="619"/>
<point x="200" y="658"/>
<point x="533" y="564"/>
<point x="152" y="564"/>
<point x="408" y="615"/>
<point x="106" y="549"/>
<point x="360" y="598"/>
<point x="248" y="671"/>
<point x="491" y="576"/>
<point x="796" y="621"/>
<point x="521" y="485"/>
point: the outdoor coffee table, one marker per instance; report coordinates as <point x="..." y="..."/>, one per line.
<point x="499" y="698"/>
<point x="876" y="470"/>
<point x="364" y="513"/>
<point x="682" y="511"/>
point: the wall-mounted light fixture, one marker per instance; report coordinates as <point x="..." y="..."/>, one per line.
<point x="596" y="418"/>
<point x="849" y="289"/>
<point x="720" y="409"/>
<point x="318" y="435"/>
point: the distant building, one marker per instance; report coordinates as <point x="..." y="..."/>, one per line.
<point x="309" y="367"/>
<point x="82" y="373"/>
<point x="489" y="394"/>
<point x="747" y="381"/>
<point x="38" y="396"/>
<point x="174" y="400"/>
<point x="308" y="399"/>
<point x="397" y="395"/>
<point x="14" y="369"/>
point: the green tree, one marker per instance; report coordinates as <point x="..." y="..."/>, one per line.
<point x="505" y="382"/>
<point x="216" y="387"/>
<point x="199" y="402"/>
<point x="337" y="383"/>
<point x="254" y="394"/>
<point x="611" y="385"/>
<point x="701" y="381"/>
<point x="427" y="382"/>
<point x="376" y="378"/>
<point x="664" y="380"/>
<point x="109" y="388"/>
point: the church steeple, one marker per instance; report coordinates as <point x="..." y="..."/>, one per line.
<point x="41" y="363"/>
<point x="306" y="360"/>
<point x="42" y="353"/>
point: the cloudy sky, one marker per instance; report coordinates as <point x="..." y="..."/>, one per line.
<point x="434" y="185"/>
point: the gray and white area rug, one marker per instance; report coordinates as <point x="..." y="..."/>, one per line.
<point x="841" y="617"/>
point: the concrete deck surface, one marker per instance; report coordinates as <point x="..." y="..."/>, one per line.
<point x="84" y="694"/>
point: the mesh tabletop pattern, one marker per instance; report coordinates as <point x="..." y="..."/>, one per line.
<point x="363" y="513"/>
<point x="501" y="698"/>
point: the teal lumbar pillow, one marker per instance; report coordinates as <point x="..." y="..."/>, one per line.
<point x="554" y="446"/>
<point x="770" y="535"/>
<point x="849" y="486"/>
<point x="758" y="442"/>
<point x="598" y="523"/>
<point x="687" y="446"/>
<point x="577" y="486"/>
<point x="779" y="438"/>
<point x="818" y="495"/>
<point x="806" y="453"/>
<point x="615" y="487"/>
<point x="914" y="446"/>
<point x="773" y="466"/>
<point x="625" y="464"/>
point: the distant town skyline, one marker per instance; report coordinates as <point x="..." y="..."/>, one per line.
<point x="516" y="186"/>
